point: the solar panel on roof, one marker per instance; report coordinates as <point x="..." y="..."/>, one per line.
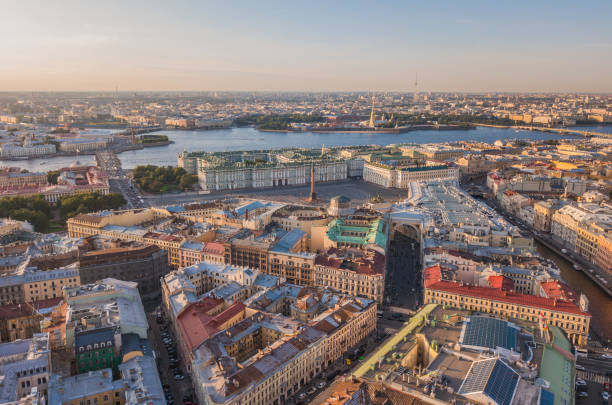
<point x="502" y="383"/>
<point x="490" y="333"/>
<point x="477" y="377"/>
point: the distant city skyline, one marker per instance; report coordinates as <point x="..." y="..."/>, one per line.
<point x="319" y="46"/>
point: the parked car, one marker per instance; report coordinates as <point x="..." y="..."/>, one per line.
<point x="311" y="390"/>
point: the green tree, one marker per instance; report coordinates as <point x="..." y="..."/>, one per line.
<point x="39" y="220"/>
<point x="52" y="176"/>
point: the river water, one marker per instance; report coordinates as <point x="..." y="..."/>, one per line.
<point x="251" y="139"/>
<point x="600" y="304"/>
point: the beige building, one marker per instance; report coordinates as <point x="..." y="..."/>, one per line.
<point x="45" y="284"/>
<point x="603" y="258"/>
<point x="546" y="311"/>
<point x="362" y="275"/>
<point x="278" y="356"/>
<point x="84" y="225"/>
<point x="94" y="387"/>
<point x="296" y="268"/>
<point x="9" y="178"/>
<point x="346" y="327"/>
<point x="542" y="215"/>
<point x="587" y="239"/>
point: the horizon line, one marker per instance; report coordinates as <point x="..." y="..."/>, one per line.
<point x="409" y="92"/>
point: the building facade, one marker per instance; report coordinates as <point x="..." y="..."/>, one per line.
<point x="566" y="315"/>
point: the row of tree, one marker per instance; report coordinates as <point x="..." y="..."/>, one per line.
<point x="160" y="179"/>
<point x="276" y="121"/>
<point x="35" y="210"/>
<point x="70" y="206"/>
<point x="38" y="212"/>
<point x="416" y="119"/>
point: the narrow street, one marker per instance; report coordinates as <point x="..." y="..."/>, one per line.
<point x="179" y="389"/>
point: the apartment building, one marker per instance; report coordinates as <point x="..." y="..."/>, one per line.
<point x="542" y="214"/>
<point x="353" y="272"/>
<point x="94" y="387"/>
<point x="587" y="239"/>
<point x="26" y="369"/>
<point x="195" y="252"/>
<point x="564" y="314"/>
<point x="45" y="284"/>
<point x="124" y="260"/>
<point x="603" y="258"/>
<point x="278" y="355"/>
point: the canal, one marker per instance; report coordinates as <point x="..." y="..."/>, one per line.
<point x="600" y="304"/>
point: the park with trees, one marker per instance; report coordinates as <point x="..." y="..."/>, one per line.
<point x="160" y="179"/>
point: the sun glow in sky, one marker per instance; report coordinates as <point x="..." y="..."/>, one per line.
<point x="313" y="46"/>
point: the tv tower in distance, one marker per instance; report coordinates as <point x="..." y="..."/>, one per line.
<point x="416" y="82"/>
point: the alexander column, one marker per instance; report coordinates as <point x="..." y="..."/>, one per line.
<point x="313" y="195"/>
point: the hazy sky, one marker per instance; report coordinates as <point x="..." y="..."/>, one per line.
<point x="306" y="45"/>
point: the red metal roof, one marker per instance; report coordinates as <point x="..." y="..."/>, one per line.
<point x="501" y="283"/>
<point x="508" y="296"/>
<point x="214" y="248"/>
<point x="195" y="324"/>
<point x="559" y="290"/>
<point x="432" y="275"/>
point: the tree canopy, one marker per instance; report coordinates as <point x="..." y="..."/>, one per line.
<point x="160" y="179"/>
<point x="35" y="210"/>
<point x="73" y="205"/>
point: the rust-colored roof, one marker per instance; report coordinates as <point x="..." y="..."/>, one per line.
<point x="371" y="264"/>
<point x="432" y="275"/>
<point x="215" y="248"/>
<point x="195" y="324"/>
<point x="501" y="283"/>
<point x="508" y="296"/>
<point x="559" y="290"/>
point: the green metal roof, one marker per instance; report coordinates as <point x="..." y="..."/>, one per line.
<point x="375" y="233"/>
<point x="558" y="367"/>
<point x="406" y="330"/>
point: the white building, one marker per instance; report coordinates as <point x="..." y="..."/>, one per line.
<point x="400" y="176"/>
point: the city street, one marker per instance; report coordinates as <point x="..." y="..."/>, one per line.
<point x="118" y="180"/>
<point x="178" y="388"/>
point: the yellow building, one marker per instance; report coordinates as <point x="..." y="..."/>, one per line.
<point x="603" y="258"/>
<point x="574" y="320"/>
<point x="587" y="239"/>
<point x="42" y="285"/>
<point x="19" y="321"/>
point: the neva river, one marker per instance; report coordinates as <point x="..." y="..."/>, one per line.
<point x="251" y="139"/>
